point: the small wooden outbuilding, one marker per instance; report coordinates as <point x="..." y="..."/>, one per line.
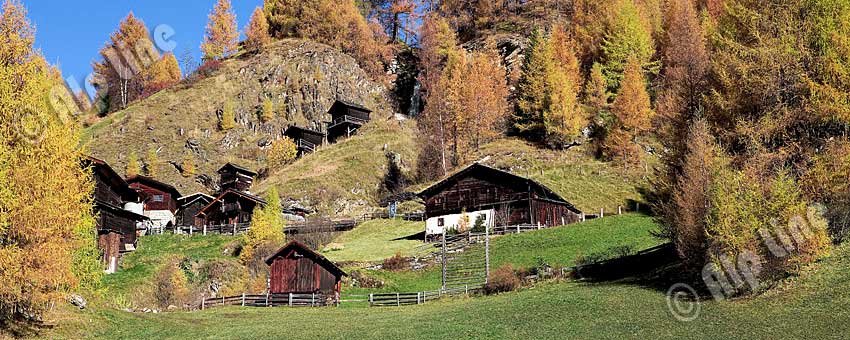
<point x="235" y="177"/>
<point x="230" y="207"/>
<point x="296" y="268"/>
<point x="346" y="119"/>
<point x="305" y="139"/>
<point x="190" y="205"/>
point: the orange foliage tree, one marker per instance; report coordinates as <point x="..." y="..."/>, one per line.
<point x="222" y="34"/>
<point x="257" y="32"/>
<point x="633" y="116"/>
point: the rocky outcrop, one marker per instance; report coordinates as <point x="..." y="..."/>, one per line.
<point x="302" y="79"/>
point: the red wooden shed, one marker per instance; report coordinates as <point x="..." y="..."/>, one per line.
<point x="295" y="268"/>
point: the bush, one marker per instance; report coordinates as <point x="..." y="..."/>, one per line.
<point x="396" y="263"/>
<point x="170" y="286"/>
<point x="503" y="279"/>
<point x="282" y="152"/>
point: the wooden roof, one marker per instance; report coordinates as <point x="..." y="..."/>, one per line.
<point x="344" y="103"/>
<point x="115" y="180"/>
<point x="243" y="194"/>
<point x="302" y="130"/>
<point x="153" y="183"/>
<point x="306" y="251"/>
<point x="238" y="169"/>
<point x="496" y="176"/>
<point x="191" y="198"/>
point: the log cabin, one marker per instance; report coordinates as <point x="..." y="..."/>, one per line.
<point x="498" y="197"/>
<point x="346" y="119"/>
<point x="295" y="268"/>
<point x="159" y="200"/>
<point x="118" y="212"/>
<point x="306" y="140"/>
<point x="190" y="205"/>
<point x="232" y="176"/>
<point x="230" y="207"/>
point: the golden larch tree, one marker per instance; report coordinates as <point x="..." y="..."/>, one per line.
<point x="132" y="165"/>
<point x="222" y="33"/>
<point x="47" y="228"/>
<point x="257" y="33"/>
<point x="633" y="115"/>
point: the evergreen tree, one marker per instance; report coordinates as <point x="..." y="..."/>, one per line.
<point x="257" y="32"/>
<point x="222" y="34"/>
<point x="532" y="89"/>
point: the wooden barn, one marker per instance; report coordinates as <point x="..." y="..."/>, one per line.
<point x="118" y="210"/>
<point x="497" y="197"/>
<point x="346" y="119"/>
<point x="190" y="205"/>
<point x="305" y="139"/>
<point x="235" y="177"/>
<point x="295" y="268"/>
<point x="160" y="200"/>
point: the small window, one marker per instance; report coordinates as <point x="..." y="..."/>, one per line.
<point x="441" y="222"/>
<point x="158" y="198"/>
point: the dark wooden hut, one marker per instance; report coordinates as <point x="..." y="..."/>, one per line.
<point x="160" y="200"/>
<point x="346" y="119"/>
<point x="305" y="139"/>
<point x="230" y="207"/>
<point x="116" y="225"/>
<point x="190" y="205"/>
<point x="295" y="268"/>
<point x="235" y="177"/>
<point x="503" y="198"/>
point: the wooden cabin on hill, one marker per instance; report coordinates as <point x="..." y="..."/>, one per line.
<point x="295" y="268"/>
<point x="234" y="203"/>
<point x="160" y="200"/>
<point x="118" y="210"/>
<point x="305" y="139"/>
<point x="235" y="177"/>
<point x="498" y="197"/>
<point x="346" y="119"/>
<point x="190" y="205"/>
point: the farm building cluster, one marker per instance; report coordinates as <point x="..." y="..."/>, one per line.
<point x="475" y="196"/>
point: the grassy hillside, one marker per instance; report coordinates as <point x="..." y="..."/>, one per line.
<point x="376" y="240"/>
<point x="343" y="179"/>
<point x="812" y="306"/>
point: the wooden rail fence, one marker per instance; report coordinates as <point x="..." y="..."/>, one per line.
<point x="270" y="300"/>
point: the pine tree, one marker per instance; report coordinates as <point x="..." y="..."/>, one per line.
<point x="43" y="252"/>
<point x="188" y="165"/>
<point x="132" y="165"/>
<point x="228" y="116"/>
<point x="222" y="34"/>
<point x="532" y="89"/>
<point x="267" y="114"/>
<point x="257" y="32"/>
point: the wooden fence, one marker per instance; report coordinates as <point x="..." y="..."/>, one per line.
<point x="406" y="299"/>
<point x="270" y="300"/>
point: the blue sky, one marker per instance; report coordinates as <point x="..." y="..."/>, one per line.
<point x="71" y="33"/>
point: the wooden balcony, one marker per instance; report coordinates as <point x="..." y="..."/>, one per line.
<point x="305" y="146"/>
<point x="346" y="119"/>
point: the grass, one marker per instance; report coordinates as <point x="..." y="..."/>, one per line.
<point x="587" y="183"/>
<point x="555" y="246"/>
<point x="138" y="267"/>
<point x="814" y="306"/>
<point x="376" y="240"/>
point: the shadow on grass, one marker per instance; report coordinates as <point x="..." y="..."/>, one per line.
<point x="20" y="327"/>
<point x="655" y="268"/>
<point x="414" y="237"/>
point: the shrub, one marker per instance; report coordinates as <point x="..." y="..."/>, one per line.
<point x="170" y="286"/>
<point x="396" y="263"/>
<point x="282" y="152"/>
<point x="503" y="279"/>
<point x="227" y="120"/>
<point x="480" y="221"/>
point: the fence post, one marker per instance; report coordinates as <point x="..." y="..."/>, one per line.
<point x="290" y="299"/>
<point x="234" y="229"/>
<point x="517" y="228"/>
<point x="417" y="297"/>
<point x="601" y="212"/>
<point x="583" y="217"/>
<point x="205" y="230"/>
<point x="267" y="298"/>
<point x="466" y="289"/>
<point x="445" y="262"/>
<point x="313" y="300"/>
<point x="203" y="303"/>
<point x="486" y="253"/>
<point x="397" y="299"/>
<point x="619" y="210"/>
<point x="190" y="230"/>
<point x="243" y="299"/>
<point x="222" y="300"/>
<point x="370" y="300"/>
